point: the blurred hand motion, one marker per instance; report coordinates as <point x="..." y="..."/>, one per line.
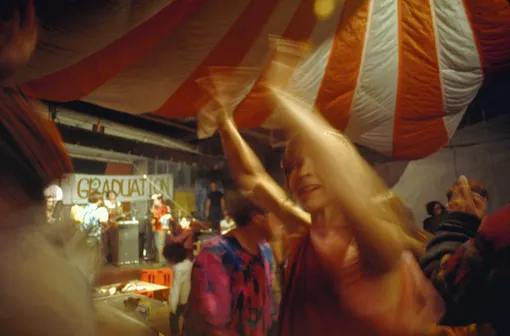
<point x="464" y="200"/>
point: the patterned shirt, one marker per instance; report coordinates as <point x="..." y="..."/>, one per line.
<point x="157" y="213"/>
<point x="230" y="290"/>
<point x="92" y="217"/>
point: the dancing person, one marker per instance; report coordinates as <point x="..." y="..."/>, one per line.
<point x="185" y="237"/>
<point x="176" y="257"/>
<point x="473" y="276"/>
<point x="114" y="207"/>
<point x="95" y="218"/>
<point x="350" y="271"/>
<point x="231" y="281"/>
<point x="451" y="231"/>
<point x="158" y="210"/>
<point x="436" y="212"/>
<point x="214" y="207"/>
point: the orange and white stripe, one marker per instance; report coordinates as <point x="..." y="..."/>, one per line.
<point x="396" y="76"/>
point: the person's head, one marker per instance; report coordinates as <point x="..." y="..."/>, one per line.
<point x="435" y="208"/>
<point x="302" y="180"/>
<point x="212" y="186"/>
<point x="112" y="196"/>
<point x="174" y="253"/>
<point x="247" y="214"/>
<point x="478" y="190"/>
<point x="95" y="197"/>
<point x="157" y="200"/>
<point x="308" y="188"/>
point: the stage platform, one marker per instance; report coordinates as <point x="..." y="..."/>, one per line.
<point x="110" y="274"/>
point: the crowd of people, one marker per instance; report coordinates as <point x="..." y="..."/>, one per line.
<point x="342" y="262"/>
<point x="352" y="261"/>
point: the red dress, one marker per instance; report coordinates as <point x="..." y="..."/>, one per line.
<point x="314" y="303"/>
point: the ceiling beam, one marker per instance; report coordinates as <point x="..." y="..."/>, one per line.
<point x="80" y="120"/>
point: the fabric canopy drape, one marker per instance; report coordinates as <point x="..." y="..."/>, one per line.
<point x="395" y="76"/>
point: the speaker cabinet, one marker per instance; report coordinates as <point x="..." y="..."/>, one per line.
<point x="125" y="249"/>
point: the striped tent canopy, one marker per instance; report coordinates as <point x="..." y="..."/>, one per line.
<point x="395" y="75"/>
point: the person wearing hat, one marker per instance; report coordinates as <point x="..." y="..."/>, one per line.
<point x="54" y="205"/>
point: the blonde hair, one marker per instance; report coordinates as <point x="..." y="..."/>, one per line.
<point x="386" y="204"/>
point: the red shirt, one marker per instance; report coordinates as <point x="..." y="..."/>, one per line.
<point x="157" y="213"/>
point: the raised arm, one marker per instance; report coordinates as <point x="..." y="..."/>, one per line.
<point x="379" y="241"/>
<point x="253" y="179"/>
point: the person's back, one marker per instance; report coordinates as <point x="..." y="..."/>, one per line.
<point x="231" y="290"/>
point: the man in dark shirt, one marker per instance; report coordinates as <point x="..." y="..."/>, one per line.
<point x="215" y="207"/>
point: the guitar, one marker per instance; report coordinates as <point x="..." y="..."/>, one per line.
<point x="112" y="222"/>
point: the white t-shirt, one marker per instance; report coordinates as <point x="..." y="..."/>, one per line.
<point x="181" y="285"/>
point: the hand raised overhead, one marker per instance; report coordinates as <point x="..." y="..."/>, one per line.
<point x="465" y="200"/>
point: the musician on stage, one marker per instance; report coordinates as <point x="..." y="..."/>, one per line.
<point x="54" y="204"/>
<point x="158" y="210"/>
<point x="115" y="213"/>
<point x="95" y="218"/>
<point x="114" y="207"/>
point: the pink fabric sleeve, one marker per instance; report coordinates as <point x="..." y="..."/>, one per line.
<point x="417" y="307"/>
<point x="209" y="301"/>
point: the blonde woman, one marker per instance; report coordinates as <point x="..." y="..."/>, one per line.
<point x="351" y="270"/>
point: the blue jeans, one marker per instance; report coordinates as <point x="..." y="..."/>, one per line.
<point x="159" y="244"/>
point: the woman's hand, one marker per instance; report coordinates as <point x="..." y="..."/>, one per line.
<point x="464" y="200"/>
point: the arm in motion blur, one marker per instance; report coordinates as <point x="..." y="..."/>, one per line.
<point x="379" y="242"/>
<point x="252" y="178"/>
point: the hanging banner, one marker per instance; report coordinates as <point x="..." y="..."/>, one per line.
<point x="129" y="188"/>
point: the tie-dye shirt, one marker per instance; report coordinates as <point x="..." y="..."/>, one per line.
<point x="91" y="225"/>
<point x="230" y="290"/>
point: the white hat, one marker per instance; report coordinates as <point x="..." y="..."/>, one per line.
<point x="156" y="196"/>
<point x="54" y="192"/>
